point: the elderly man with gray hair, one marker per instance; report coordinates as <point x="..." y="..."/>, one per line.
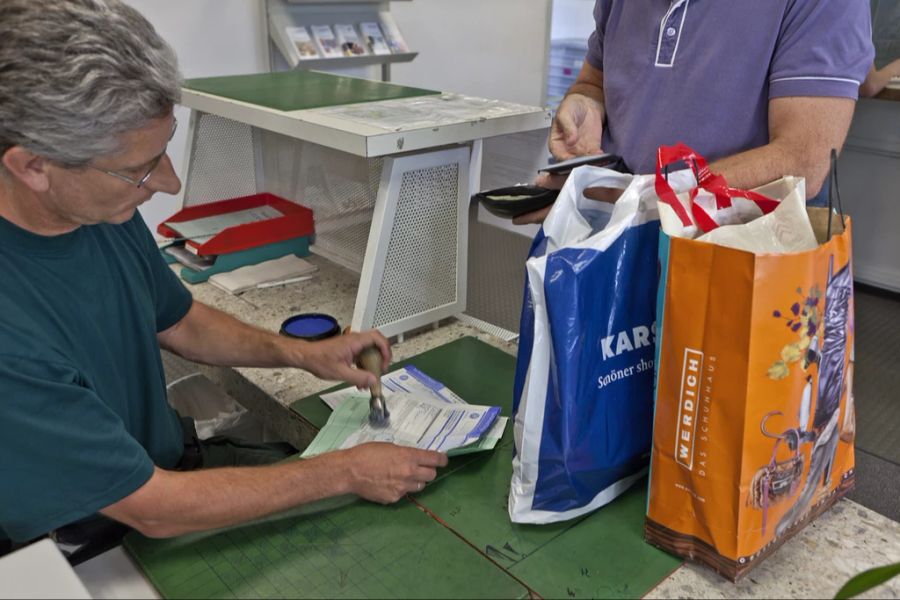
<point x="87" y="90"/>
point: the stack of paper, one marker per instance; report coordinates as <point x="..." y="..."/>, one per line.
<point x="423" y="413"/>
<point x="249" y="277"/>
<point x="204" y="229"/>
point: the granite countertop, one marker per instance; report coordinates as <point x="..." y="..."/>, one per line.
<point x="814" y="564"/>
<point x="269" y="392"/>
<point x="822" y="557"/>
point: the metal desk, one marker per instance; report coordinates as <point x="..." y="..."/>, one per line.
<point x="388" y="171"/>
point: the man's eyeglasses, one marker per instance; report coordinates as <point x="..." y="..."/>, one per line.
<point x="153" y="164"/>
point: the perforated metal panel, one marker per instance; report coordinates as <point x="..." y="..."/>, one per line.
<point x="231" y="159"/>
<point x="222" y="161"/>
<point x="420" y="271"/>
<point x="340" y="189"/>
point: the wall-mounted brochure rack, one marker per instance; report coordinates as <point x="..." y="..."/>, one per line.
<point x="334" y="34"/>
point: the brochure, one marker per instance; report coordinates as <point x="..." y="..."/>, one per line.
<point x="326" y="41"/>
<point x="348" y="40"/>
<point x="373" y="37"/>
<point x="392" y="33"/>
<point x="306" y="49"/>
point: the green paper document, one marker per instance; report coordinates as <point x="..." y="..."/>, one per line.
<point x="423" y="414"/>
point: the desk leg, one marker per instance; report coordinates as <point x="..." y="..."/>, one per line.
<point x="414" y="272"/>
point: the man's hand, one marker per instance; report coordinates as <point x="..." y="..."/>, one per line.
<point x="335" y="357"/>
<point x="173" y="503"/>
<point x="576" y="131"/>
<point x="384" y="473"/>
<point x="599" y="194"/>
<point x="544" y="180"/>
<point x="577" y="128"/>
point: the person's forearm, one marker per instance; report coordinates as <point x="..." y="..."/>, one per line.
<point x="765" y="164"/>
<point x="589" y="82"/>
<point x="802" y="133"/>
<point x="176" y="503"/>
<point x="878" y="79"/>
<point x="210" y="336"/>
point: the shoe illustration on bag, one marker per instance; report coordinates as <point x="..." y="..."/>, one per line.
<point x="778" y="480"/>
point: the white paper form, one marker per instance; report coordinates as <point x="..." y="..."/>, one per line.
<point x="423" y="413"/>
<point x="408" y="380"/>
<point x="203" y="229"/>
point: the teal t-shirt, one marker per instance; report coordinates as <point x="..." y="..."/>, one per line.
<point x="83" y="410"/>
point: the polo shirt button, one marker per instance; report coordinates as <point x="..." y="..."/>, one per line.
<point x="671" y="31"/>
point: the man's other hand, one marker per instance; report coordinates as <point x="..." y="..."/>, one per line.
<point x="384" y="473"/>
<point x="577" y="128"/>
<point x="335" y="357"/>
<point x="599" y="194"/>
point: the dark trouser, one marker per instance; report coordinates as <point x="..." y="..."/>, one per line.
<point x="225" y="451"/>
<point x="97" y="534"/>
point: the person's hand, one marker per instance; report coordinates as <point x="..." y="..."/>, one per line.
<point x="335" y="357"/>
<point x="384" y="473"/>
<point x="544" y="180"/>
<point x="577" y="128"/>
<point x="576" y="131"/>
<point x="893" y="68"/>
<point x="535" y="217"/>
<point x="600" y="194"/>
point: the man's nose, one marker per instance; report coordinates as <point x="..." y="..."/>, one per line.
<point x="164" y="179"/>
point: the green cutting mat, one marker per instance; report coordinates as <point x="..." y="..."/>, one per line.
<point x="601" y="555"/>
<point x="300" y="90"/>
<point x="358" y="550"/>
<point x="436" y="549"/>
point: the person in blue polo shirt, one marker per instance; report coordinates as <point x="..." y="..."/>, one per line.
<point x="87" y="89"/>
<point x="761" y="89"/>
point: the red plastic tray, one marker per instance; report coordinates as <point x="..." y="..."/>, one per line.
<point x="296" y="221"/>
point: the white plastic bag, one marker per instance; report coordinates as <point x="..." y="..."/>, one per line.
<point x="584" y="374"/>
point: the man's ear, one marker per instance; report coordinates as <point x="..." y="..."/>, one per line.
<point x="29" y="168"/>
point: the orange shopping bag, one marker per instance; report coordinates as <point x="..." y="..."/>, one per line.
<point x="753" y="426"/>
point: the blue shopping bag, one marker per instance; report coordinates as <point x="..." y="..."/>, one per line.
<point x="584" y="375"/>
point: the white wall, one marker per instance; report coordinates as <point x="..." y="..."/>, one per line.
<point x="572" y="19"/>
<point x="490" y="48"/>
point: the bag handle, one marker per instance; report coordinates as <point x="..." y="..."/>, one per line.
<point x="668" y="155"/>
<point x="706" y="180"/>
<point x="834" y="192"/>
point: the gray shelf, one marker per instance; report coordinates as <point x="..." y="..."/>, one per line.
<point x="278" y="15"/>
<point x="355" y="61"/>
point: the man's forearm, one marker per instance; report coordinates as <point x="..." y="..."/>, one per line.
<point x="210" y="336"/>
<point x="765" y="164"/>
<point x="590" y="83"/>
<point x="878" y="79"/>
<point x="175" y="503"/>
<point x="802" y="132"/>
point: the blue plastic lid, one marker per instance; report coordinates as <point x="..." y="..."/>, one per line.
<point x="311" y="326"/>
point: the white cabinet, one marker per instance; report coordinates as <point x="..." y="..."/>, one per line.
<point x="870" y="189"/>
